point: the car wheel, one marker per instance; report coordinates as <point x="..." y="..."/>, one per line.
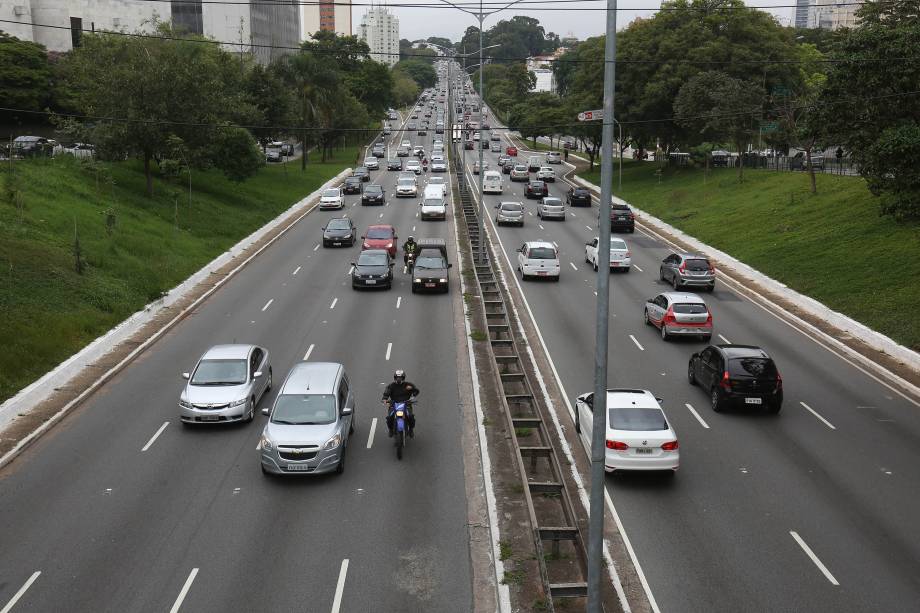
<point x="676" y="283"/>
<point x="523" y="276"/>
<point x="645" y="317"/>
<point x="268" y="387"/>
<point x="691" y="376"/>
<point x="251" y="413"/>
<point x="351" y="426"/>
<point x="661" y="274"/>
<point x="706" y="338"/>
<point x="265" y="472"/>
<point x="774" y="407"/>
<point x="594" y="264"/>
<point x="587" y="261"/>
<point x="341" y="466"/>
<point x="715" y="400"/>
<point x="711" y="288"/>
<point x="664" y="332"/>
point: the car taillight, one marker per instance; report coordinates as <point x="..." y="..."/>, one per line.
<point x="682" y="267"/>
<point x="617" y="445"/>
<point x="725" y="383"/>
<point x="632" y="216"/>
<point x="712" y="269"/>
<point x="669" y="316"/>
<point x="669" y="446"/>
<point x="708" y="319"/>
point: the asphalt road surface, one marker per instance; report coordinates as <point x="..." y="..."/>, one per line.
<point x="112" y="511"/>
<point x="811" y="510"/>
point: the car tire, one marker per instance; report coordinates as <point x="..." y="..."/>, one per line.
<point x="645" y="318"/>
<point x="265" y="472"/>
<point x="664" y="333"/>
<point x="691" y="375"/>
<point x="715" y="400"/>
<point x="268" y="387"/>
<point x="711" y="288"/>
<point x="676" y="283"/>
<point x="523" y="276"/>
<point x="587" y="261"/>
<point x="661" y="274"/>
<point x="706" y="338"/>
<point x="340" y="468"/>
<point x="251" y="414"/>
<point x="594" y="264"/>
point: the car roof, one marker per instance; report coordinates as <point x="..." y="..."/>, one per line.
<point x="384" y="226"/>
<point x="312" y="378"/>
<point x="691" y="256"/>
<point x="227" y="352"/>
<point x="532" y="244"/>
<point x="622" y="398"/>
<point x="374" y="252"/>
<point x="742" y="351"/>
<point x="683" y="297"/>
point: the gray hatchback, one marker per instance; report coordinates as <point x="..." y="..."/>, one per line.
<point x="688" y="269"/>
<point x="310" y="422"/>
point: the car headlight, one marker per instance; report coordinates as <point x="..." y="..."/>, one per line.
<point x="265" y="443"/>
<point x="237" y="403"/>
<point x="332" y="443"/>
<point x="185" y="404"/>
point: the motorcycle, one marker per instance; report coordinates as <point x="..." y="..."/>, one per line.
<point x="400" y="413"/>
<point x="410" y="262"/>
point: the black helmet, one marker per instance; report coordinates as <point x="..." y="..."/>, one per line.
<point x="399" y="376"/>
<point x="411" y="239"/>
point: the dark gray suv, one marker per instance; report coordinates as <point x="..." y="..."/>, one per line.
<point x="688" y="270"/>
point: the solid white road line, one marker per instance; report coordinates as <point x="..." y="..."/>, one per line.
<point x="334" y="300"/>
<point x="725" y="340"/>
<point x="370" y="436"/>
<point x="398" y="301"/>
<point x="306" y="356"/>
<point x="389" y="349"/>
<point x="316" y="247"/>
<point x="697" y="415"/>
<point x="637" y="268"/>
<point x="268" y="304"/>
<point x="25" y="586"/>
<point x="815" y="413"/>
<point x="572" y="264"/>
<point x="339" y="587"/>
<point x="641" y="348"/>
<point x="814" y="558"/>
<point x="184" y="592"/>
<point x="155" y="435"/>
<point x="296" y="270"/>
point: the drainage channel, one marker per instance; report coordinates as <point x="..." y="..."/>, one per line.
<point x="559" y="543"/>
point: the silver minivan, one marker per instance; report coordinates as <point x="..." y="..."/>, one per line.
<point x="310" y="421"/>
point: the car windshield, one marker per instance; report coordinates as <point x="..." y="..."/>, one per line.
<point x="689" y="309"/>
<point x="542" y="253"/>
<point x="429" y="262"/>
<point x="637" y="419"/>
<point x="436" y="181"/>
<point x="379" y="233"/>
<point x="372" y="259"/>
<point x="360" y="170"/>
<point x="406" y="181"/>
<point x="394" y="161"/>
<point x="338" y="224"/>
<point x="304" y="409"/>
<point x="752" y="367"/>
<point x="412" y="163"/>
<point x="373" y="189"/>
<point x="536" y="184"/>
<point x="331" y="193"/>
<point x="618" y="244"/>
<point x="520" y="168"/>
<point x="220" y="372"/>
<point x="558" y="202"/>
<point x="697" y="264"/>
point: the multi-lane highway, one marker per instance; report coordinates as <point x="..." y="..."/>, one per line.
<point x="810" y="510"/>
<point x="122" y="509"/>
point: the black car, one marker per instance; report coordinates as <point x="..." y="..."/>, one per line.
<point x="578" y="196"/>
<point x="737" y="375"/>
<point x="378" y="152"/>
<point x="423" y="131"/>
<point x="373" y="194"/>
<point x="339" y="232"/>
<point x="363" y="172"/>
<point x="352" y="185"/>
<point x="468" y="145"/>
<point x="394" y="164"/>
<point x="374" y="268"/>
<point x="536" y="189"/>
<point x="507" y="166"/>
<point x="430" y="273"/>
<point x="622" y="218"/>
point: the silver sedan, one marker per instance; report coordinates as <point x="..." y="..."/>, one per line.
<point x="226" y="385"/>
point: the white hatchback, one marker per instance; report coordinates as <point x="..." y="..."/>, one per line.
<point x="439" y="181"/>
<point x="538" y="259"/>
<point x="546" y="174"/>
<point x="332" y="198"/>
<point x="620" y="256"/>
<point x="638" y="435"/>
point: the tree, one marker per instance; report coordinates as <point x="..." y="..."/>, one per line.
<point x="871" y="108"/>
<point x="441" y="42"/>
<point x="25" y="75"/>
<point x="405" y="90"/>
<point x="719" y="107"/>
<point x="236" y="153"/>
<point x="421" y="72"/>
<point x="267" y="91"/>
<point x="316" y="84"/>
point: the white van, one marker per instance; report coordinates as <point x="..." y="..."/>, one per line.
<point x="492" y="182"/>
<point x="433" y="204"/>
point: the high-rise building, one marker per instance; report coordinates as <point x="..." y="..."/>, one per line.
<point x="801" y="13"/>
<point x="829" y="15"/>
<point x="332" y="16"/>
<point x="380" y="30"/>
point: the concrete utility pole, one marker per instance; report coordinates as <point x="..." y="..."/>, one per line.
<point x="596" y="512"/>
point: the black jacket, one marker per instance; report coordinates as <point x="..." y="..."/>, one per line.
<point x="400" y="392"/>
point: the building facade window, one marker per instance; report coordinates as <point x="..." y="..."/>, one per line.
<point x="76" y="31"/>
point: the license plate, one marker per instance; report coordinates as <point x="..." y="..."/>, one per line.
<point x="429" y="285"/>
<point x="541" y="272"/>
<point x="643" y="450"/>
<point x="614" y="264"/>
<point x="753" y="401"/>
<point x="209" y="418"/>
<point x="296" y="467"/>
<point x="337" y="244"/>
<point x="370" y="282"/>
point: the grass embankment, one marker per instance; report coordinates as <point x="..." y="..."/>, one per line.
<point x="48" y="311"/>
<point x="832" y="246"/>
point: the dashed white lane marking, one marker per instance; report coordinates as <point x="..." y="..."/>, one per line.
<point x="334" y="301"/>
<point x="25" y="586"/>
<point x="697" y="415"/>
<point x="370" y="435"/>
<point x="589" y="227"/>
<point x="637" y="268"/>
<point x="340" y="587"/>
<point x="184" y="592"/>
<point x="815" y="413"/>
<point x="306" y="356"/>
<point x="354" y="204"/>
<point x="641" y="348"/>
<point x="268" y="304"/>
<point x="572" y="264"/>
<point x="541" y="226"/>
<point x="725" y="340"/>
<point x="155" y="435"/>
<point x="413" y="228"/>
<point x="296" y="270"/>
<point x="398" y="301"/>
<point x="529" y="213"/>
<point x="389" y="349"/>
<point x="380" y="216"/>
<point x="814" y="558"/>
<point x="316" y="247"/>
<point x="351" y="269"/>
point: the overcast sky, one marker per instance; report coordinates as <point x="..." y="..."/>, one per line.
<point x="415" y="23"/>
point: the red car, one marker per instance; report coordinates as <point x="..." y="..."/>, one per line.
<point x="381" y="237"/>
<point x="512" y="151"/>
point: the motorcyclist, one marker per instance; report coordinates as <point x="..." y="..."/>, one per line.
<point x="400" y="390"/>
<point x="410" y="246"/>
<point x="425" y="164"/>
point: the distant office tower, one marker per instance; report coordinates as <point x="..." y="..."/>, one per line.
<point x="801" y="13"/>
<point x="332" y="16"/>
<point x="380" y="29"/>
<point x="829" y="15"/>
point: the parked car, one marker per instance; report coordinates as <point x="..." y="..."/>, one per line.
<point x="332" y="198"/>
<point x="373" y="194"/>
<point x="538" y="259"/>
<point x="551" y="208"/>
<point x="737" y="375"/>
<point x="226" y="385"/>
<point x="798" y="161"/>
<point x="381" y="236"/>
<point x="578" y="196"/>
<point x="688" y="270"/>
<point x="536" y="189"/>
<point x="352" y="185"/>
<point x="509" y="213"/>
<point x="679" y="314"/>
<point x="373" y="269"/>
<point x="339" y="232"/>
<point x="620" y="256"/>
<point x="637" y="433"/>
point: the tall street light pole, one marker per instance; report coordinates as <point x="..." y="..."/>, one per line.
<point x="596" y="509"/>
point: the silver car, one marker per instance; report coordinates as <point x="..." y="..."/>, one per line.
<point x="679" y="314"/>
<point x="510" y="212"/>
<point x="226" y="385"/>
<point x="551" y="208"/>
<point x="310" y="421"/>
<point x="688" y="269"/>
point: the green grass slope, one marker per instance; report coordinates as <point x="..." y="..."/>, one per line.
<point x="832" y="246"/>
<point x="48" y="311"/>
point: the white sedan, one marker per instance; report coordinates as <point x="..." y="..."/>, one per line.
<point x="439" y="181"/>
<point x="371" y="163"/>
<point x="620" y="256"/>
<point x="638" y="435"/>
<point x="546" y="174"/>
<point x="438" y="164"/>
<point x="332" y="198"/>
<point x="415" y="166"/>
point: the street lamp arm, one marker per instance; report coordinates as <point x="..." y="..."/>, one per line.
<point x="460" y="8"/>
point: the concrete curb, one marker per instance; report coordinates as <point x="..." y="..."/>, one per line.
<point x="873" y="339"/>
<point x="38" y="391"/>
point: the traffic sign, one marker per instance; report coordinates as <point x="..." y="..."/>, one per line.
<point x="591" y="115"/>
<point x="769" y="126"/>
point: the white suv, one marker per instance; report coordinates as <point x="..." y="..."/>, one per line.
<point x="538" y="259"/>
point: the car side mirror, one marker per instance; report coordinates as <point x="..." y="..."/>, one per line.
<point x="257" y="374"/>
<point x="353" y="264"/>
<point x="392" y="264"/>
<point x="497" y="206"/>
<point x="185" y="375"/>
<point x="362" y="236"/>
<point x="347" y="411"/>
<point x="265" y="411"/>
